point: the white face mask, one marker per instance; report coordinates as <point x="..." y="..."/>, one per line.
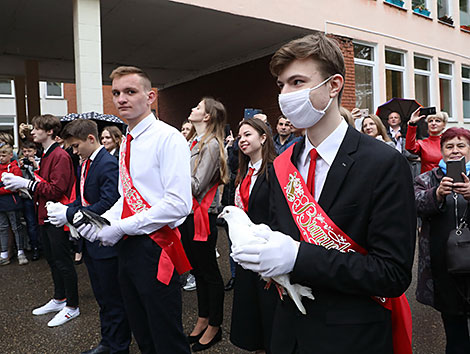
<point x="297" y="107"/>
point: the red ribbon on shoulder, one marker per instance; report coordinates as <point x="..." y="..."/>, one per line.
<point x="317" y="228"/>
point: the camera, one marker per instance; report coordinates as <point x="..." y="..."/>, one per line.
<point x="26" y="161"/>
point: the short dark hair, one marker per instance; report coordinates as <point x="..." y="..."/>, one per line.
<point x="47" y="122"/>
<point x="80" y="129"/>
<point x="28" y="144"/>
<point x="454" y="132"/>
<point x="316" y="46"/>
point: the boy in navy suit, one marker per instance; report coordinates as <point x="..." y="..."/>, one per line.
<point x="97" y="192"/>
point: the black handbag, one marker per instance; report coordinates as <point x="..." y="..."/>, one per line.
<point x="458" y="245"/>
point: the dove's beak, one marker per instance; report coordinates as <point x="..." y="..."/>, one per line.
<point x="221" y="215"/>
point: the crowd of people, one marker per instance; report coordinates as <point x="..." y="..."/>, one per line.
<point x="339" y="201"/>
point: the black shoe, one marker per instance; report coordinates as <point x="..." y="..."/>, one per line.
<point x="217" y="338"/>
<point x="194" y="339"/>
<point x="100" y="349"/>
<point x="230" y="284"/>
<point x="35" y="256"/>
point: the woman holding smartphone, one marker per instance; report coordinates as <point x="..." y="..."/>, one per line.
<point x="442" y="202"/>
<point x="199" y="231"/>
<point x="428" y="149"/>
<point x="253" y="305"/>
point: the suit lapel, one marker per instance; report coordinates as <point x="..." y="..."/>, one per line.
<point x="339" y="169"/>
<point x="94" y="163"/>
<point x="259" y="180"/>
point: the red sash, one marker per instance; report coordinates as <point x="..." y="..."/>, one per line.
<point x="201" y="215"/>
<point x="168" y="239"/>
<point x="316" y="227"/>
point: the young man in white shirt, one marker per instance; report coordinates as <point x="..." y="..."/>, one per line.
<point x="344" y="206"/>
<point x="155" y="188"/>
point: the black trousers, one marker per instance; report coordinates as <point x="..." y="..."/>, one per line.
<point x="456" y="328"/>
<point x="56" y="247"/>
<point x="209" y="282"/>
<point x="115" y="329"/>
<point x="153" y="309"/>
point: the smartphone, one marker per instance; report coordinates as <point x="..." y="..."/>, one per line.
<point x="455" y="169"/>
<point x="227" y="130"/>
<point x="364" y="112"/>
<point x="250" y="112"/>
<point x="427" y="111"/>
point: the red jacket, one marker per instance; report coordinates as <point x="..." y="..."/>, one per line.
<point x="10" y="200"/>
<point x="57" y="171"/>
<point x="429" y="149"/>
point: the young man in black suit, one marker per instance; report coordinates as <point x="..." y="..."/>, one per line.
<point x="97" y="192"/>
<point x="357" y="252"/>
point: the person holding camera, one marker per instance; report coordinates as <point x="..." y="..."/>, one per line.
<point x="442" y="202"/>
<point x="28" y="164"/>
<point x="428" y="149"/>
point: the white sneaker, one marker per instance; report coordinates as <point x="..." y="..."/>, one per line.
<point x="22" y="260"/>
<point x="51" y="306"/>
<point x="65" y="315"/>
<point x="190" y="283"/>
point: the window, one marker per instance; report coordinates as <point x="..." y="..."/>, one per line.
<point x="6" y="87"/>
<point x="466" y="91"/>
<point x="364" y="65"/>
<point x="444" y="12"/>
<point x="465" y="14"/>
<point x="54" y="90"/>
<point x="394" y="70"/>
<point x="445" y="86"/>
<point x="422" y="67"/>
<point x="420" y="4"/>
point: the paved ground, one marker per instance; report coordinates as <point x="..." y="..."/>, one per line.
<point x="23" y="288"/>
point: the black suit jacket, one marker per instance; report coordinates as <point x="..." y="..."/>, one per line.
<point x="368" y="194"/>
<point x="101" y="191"/>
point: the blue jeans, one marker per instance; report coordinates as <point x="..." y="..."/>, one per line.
<point x="12" y="218"/>
<point x="29" y="213"/>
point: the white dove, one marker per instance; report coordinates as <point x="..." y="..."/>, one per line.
<point x="240" y="229"/>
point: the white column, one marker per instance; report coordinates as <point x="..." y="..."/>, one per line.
<point x="87" y="44"/>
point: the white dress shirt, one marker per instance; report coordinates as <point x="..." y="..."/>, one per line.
<point x="256" y="166"/>
<point x="93" y="155"/>
<point x="160" y="171"/>
<point x="327" y="151"/>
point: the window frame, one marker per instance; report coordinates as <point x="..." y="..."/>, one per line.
<point x="449" y="77"/>
<point x="12" y="94"/>
<point x="47" y="96"/>
<point x="374" y="66"/>
<point x="427" y="73"/>
<point x="465" y="80"/>
<point x="393" y="67"/>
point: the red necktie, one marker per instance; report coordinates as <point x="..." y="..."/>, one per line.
<point x="193" y="144"/>
<point x="311" y="171"/>
<point x="245" y="188"/>
<point x="128" y="152"/>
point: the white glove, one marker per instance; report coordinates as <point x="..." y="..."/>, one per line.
<point x="88" y="232"/>
<point x="13" y="182"/>
<point x="110" y="235"/>
<point x="57" y="213"/>
<point x="275" y="257"/>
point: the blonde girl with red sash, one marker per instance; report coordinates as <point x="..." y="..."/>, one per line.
<point x="253" y="305"/>
<point x="199" y="231"/>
